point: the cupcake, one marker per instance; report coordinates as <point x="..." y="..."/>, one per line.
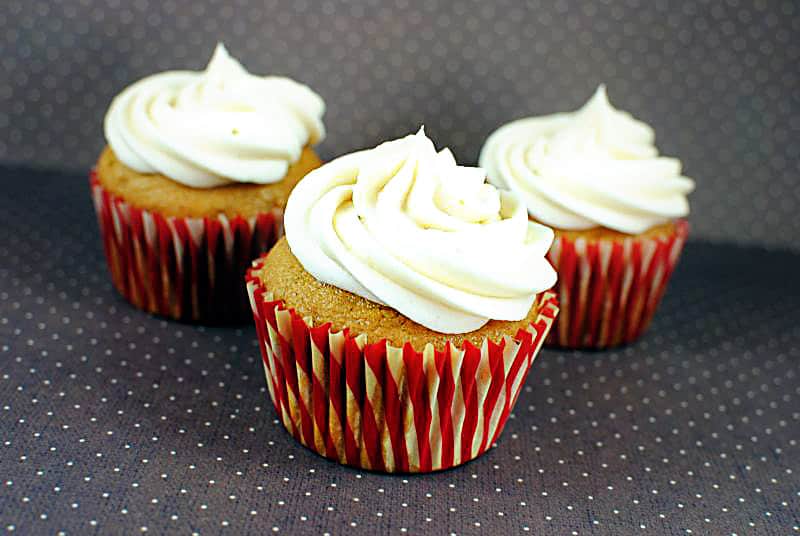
<point x="400" y="315"/>
<point x="193" y="181"/>
<point x="617" y="208"/>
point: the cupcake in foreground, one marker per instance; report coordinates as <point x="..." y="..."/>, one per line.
<point x="617" y="208"/>
<point x="400" y="315"/>
<point x="193" y="182"/>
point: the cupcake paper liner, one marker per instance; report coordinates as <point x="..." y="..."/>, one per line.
<point x="608" y="290"/>
<point x="189" y="269"/>
<point x="385" y="408"/>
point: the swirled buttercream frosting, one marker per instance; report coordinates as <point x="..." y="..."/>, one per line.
<point x="404" y="226"/>
<point x="595" y="167"/>
<point x="215" y="127"/>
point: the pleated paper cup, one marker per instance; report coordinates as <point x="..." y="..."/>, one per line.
<point x="385" y="408"/>
<point x="608" y="290"/>
<point x="189" y="269"/>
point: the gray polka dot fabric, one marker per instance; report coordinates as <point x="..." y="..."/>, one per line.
<point x="116" y="422"/>
<point x="718" y="80"/>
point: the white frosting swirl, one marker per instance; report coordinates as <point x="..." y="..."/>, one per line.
<point x="596" y="167"/>
<point x="211" y="128"/>
<point x="405" y="226"/>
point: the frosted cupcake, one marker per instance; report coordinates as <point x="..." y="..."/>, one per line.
<point x="617" y="207"/>
<point x="400" y="315"/>
<point x="193" y="182"/>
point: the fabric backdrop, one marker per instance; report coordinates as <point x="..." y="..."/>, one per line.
<point x="718" y="80"/>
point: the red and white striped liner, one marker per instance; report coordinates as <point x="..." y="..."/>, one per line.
<point x="186" y="268"/>
<point x="608" y="290"/>
<point x="383" y="408"/>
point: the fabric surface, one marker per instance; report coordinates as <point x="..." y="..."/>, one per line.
<point x="114" y="421"/>
<point x="717" y="80"/>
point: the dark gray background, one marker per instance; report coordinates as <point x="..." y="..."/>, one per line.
<point x="113" y="421"/>
<point x="718" y="80"/>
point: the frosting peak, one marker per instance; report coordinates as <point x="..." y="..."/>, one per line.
<point x="222" y="65"/>
<point x="622" y="135"/>
<point x="214" y="127"/>
<point x="405" y="226"/>
<point x="597" y="166"/>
